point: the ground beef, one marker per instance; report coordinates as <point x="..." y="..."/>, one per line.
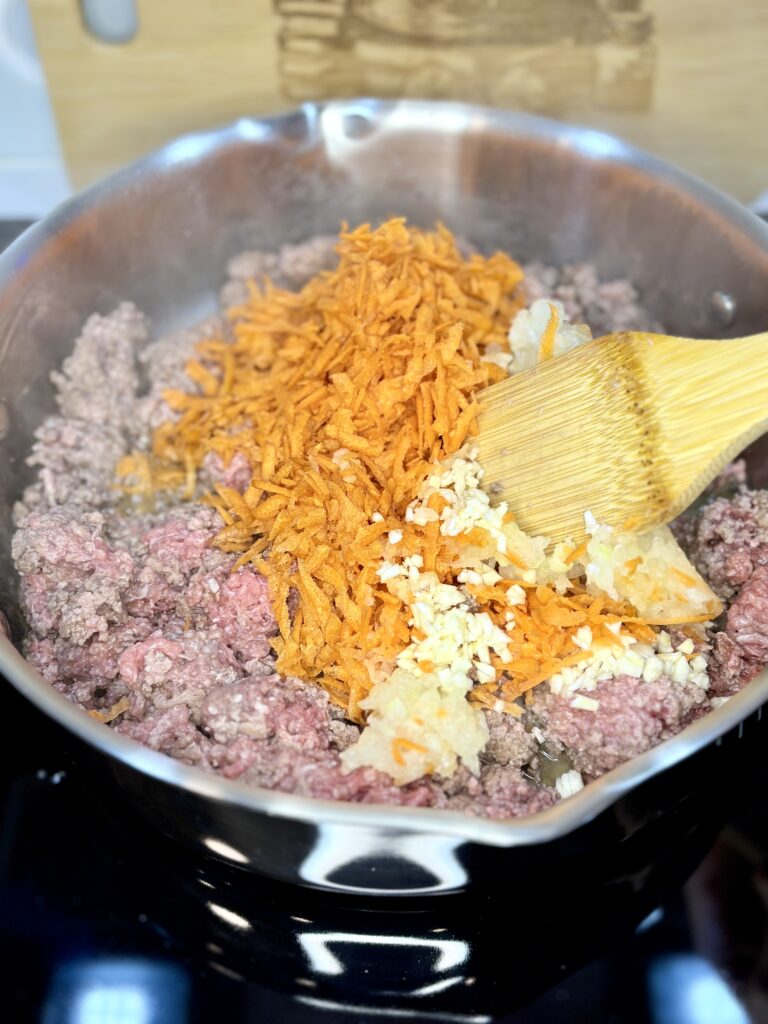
<point x="507" y="793"/>
<point x="280" y="733"/>
<point x="237" y="473"/>
<point x="167" y="669"/>
<point x="290" y="267"/>
<point x="748" y="616"/>
<point x="343" y="732"/>
<point x="298" y="263"/>
<point x="499" y="792"/>
<point x="266" y="707"/>
<point x="171" y="552"/>
<point x="131" y="610"/>
<point x="77" y="451"/>
<point x="171" y="732"/>
<point x="319" y="774"/>
<point x="238" y="604"/>
<point x="284" y="734"/>
<point x="94" y="662"/>
<point x="162" y="366"/>
<point x="87" y="674"/>
<point x="102" y="368"/>
<point x="72" y="580"/>
<point x="605" y="305"/>
<point x="77" y="462"/>
<point x="728" y="539"/>
<point x="162" y="362"/>
<point x="729" y="667"/>
<point x="633" y="716"/>
<point x="143" y="607"/>
<point x="509" y="743"/>
<point x="251" y="265"/>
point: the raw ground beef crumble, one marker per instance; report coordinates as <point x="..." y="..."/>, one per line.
<point x="142" y="609"/>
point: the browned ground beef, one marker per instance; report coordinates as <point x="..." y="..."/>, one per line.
<point x="143" y="609"/>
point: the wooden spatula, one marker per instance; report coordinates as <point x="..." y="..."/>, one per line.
<point x="631" y="427"/>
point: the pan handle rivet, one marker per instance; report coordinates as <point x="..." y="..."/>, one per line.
<point x="723" y="307"/>
<point x="357" y="126"/>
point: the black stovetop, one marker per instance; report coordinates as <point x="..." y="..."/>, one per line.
<point x="104" y="922"/>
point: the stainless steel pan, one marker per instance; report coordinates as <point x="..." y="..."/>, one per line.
<point x="160" y="232"/>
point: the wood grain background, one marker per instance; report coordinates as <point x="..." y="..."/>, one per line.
<point x="687" y="79"/>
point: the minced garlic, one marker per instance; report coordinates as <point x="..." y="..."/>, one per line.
<point x="456" y="648"/>
<point x="528" y="330"/>
<point x="568" y="784"/>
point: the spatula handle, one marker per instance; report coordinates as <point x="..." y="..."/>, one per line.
<point x="714" y="405"/>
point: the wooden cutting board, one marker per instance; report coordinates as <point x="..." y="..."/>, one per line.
<point x="687" y="79"/>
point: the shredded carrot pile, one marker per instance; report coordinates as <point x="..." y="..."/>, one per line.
<point x="342" y="397"/>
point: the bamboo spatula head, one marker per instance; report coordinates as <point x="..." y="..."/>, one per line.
<point x="631" y="427"/>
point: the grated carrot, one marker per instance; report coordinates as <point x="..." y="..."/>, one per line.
<point x="401" y="744"/>
<point x="342" y="397"/>
<point x="117" y="709"/>
<point x="684" y="577"/>
<point x="631" y="565"/>
<point x="542" y="640"/>
<point x="547" y="346"/>
<point x="576" y="554"/>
